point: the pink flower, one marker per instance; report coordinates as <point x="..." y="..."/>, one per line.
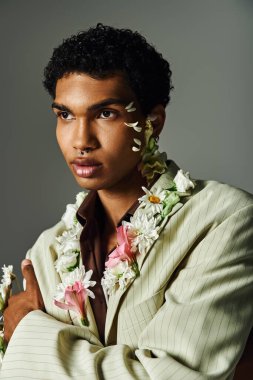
<point x="123" y="251"/>
<point x="75" y="297"/>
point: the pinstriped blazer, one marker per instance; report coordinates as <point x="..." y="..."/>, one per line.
<point x="186" y="317"/>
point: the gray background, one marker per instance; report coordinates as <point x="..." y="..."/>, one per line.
<point x="209" y="121"/>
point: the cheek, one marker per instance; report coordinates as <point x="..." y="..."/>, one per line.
<point x="120" y="150"/>
<point x="61" y="139"/>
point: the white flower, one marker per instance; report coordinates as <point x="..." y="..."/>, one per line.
<point x="109" y="281"/>
<point x="3" y="292"/>
<point x="183" y="181"/>
<point x="2" y="347"/>
<point x="126" y="276"/>
<point x="1" y="357"/>
<point x="134" y="126"/>
<point x="121" y="274"/>
<point x="69" y="240"/>
<point x="142" y="229"/>
<point x="130" y="107"/>
<point x="78" y="274"/>
<point x="69" y="217"/>
<point x="80" y="198"/>
<point x="152" y="201"/>
<point x="66" y="261"/>
<point x="8" y="275"/>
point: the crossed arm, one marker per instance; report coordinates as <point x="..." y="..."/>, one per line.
<point x="19" y="305"/>
<point x="181" y="342"/>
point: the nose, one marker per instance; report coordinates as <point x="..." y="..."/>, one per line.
<point x="84" y="139"/>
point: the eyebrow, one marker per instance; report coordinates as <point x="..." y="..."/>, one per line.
<point x="93" y="107"/>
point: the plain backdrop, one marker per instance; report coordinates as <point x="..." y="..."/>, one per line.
<point x="208" y="129"/>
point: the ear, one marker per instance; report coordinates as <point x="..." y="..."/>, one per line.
<point x="157" y="117"/>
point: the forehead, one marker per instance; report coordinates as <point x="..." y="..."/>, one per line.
<point x="76" y="89"/>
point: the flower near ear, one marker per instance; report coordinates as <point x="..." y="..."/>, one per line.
<point x="135" y="126"/>
<point x="72" y="293"/>
<point x="130" y="107"/>
<point x="153" y="161"/>
<point x="183" y="181"/>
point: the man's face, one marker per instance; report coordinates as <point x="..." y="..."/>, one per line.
<point x="90" y="116"/>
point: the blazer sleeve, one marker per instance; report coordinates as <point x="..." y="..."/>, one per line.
<point x="198" y="333"/>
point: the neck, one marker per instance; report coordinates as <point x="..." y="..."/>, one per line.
<point x="116" y="201"/>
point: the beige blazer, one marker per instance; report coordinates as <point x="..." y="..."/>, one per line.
<point x="186" y="317"/>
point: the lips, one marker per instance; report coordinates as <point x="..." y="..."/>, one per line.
<point x="86" y="167"/>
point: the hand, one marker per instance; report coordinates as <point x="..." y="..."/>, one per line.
<point x="19" y="305"/>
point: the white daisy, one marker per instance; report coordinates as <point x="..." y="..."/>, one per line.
<point x="142" y="228"/>
<point x="153" y="201"/>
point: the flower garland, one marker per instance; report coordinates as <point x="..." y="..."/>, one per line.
<point x="137" y="236"/>
<point x="134" y="238"/>
<point x="72" y="292"/>
<point x="5" y="293"/>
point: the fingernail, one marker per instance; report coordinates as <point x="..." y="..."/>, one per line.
<point x="26" y="262"/>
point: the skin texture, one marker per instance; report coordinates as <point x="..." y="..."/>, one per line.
<point x="83" y="123"/>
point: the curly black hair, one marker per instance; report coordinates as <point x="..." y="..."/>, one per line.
<point x="102" y="51"/>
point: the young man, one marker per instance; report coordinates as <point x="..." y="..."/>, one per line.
<point x="169" y="295"/>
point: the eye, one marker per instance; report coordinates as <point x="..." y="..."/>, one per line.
<point x="65" y="115"/>
<point x="107" y="114"/>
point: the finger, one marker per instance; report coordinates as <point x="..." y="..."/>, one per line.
<point x="25" y="262"/>
<point x="29" y="275"/>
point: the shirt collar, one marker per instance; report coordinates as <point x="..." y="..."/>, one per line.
<point x="91" y="204"/>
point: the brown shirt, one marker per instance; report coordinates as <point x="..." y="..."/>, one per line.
<point x="91" y="216"/>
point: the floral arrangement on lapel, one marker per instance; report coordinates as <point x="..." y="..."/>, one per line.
<point x="72" y="292"/>
<point x="137" y="236"/>
<point x="134" y="238"/>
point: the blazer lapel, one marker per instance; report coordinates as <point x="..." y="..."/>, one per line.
<point x="164" y="181"/>
<point x="141" y="258"/>
<point x="72" y="316"/>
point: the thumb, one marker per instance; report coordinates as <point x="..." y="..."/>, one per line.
<point x="28" y="274"/>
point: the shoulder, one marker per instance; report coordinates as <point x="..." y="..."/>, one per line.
<point x="221" y="198"/>
<point x="47" y="238"/>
